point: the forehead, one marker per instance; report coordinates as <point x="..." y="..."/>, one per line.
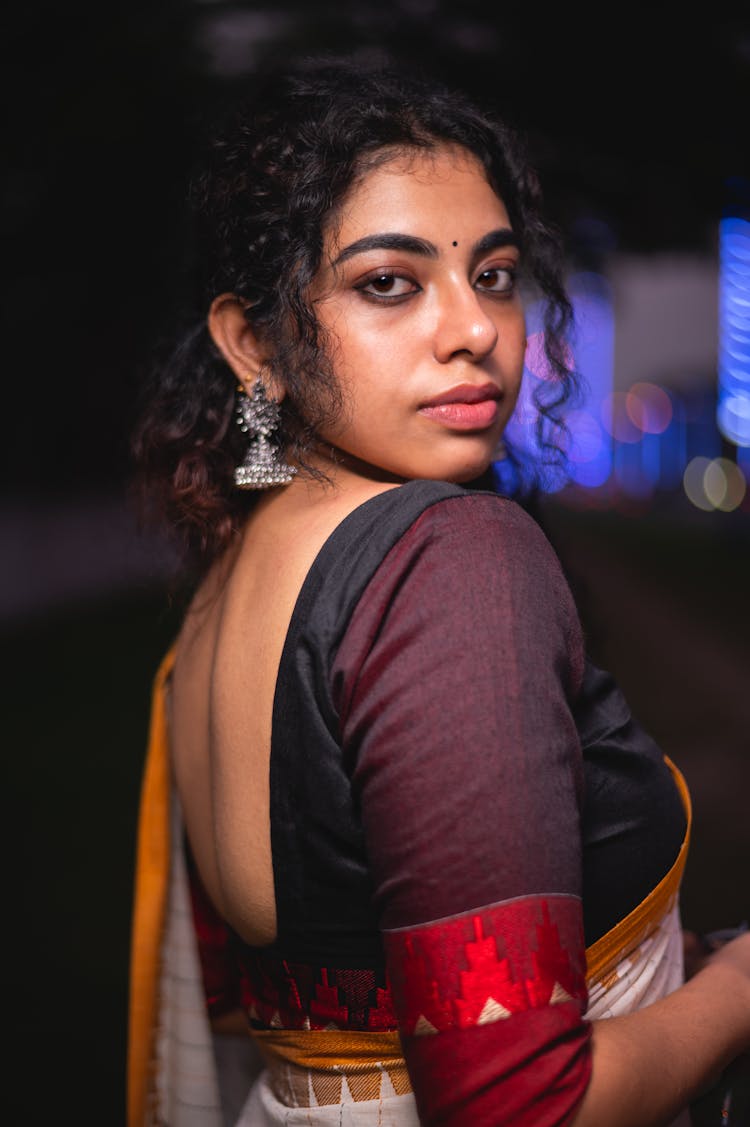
<point x="419" y="192"/>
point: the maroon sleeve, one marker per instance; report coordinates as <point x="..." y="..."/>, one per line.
<point x="453" y="684"/>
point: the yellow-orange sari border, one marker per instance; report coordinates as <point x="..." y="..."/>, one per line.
<point x="149" y="906"/>
<point x="603" y="956"/>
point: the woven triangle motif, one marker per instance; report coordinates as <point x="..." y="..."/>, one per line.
<point x="559" y="995"/>
<point x="424" y="1028"/>
<point x="492" y="1011"/>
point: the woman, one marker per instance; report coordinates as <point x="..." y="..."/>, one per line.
<point x="431" y="862"/>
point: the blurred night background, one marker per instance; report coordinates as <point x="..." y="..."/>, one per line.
<point x="637" y="122"/>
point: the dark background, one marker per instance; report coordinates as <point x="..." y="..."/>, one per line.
<point x="636" y="119"/>
<point x="639" y="120"/>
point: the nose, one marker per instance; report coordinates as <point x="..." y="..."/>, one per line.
<point x="463" y="326"/>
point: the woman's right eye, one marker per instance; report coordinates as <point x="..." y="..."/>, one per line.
<point x="387" y="285"/>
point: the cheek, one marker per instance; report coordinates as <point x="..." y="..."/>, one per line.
<point x="357" y="365"/>
<point x="364" y="357"/>
<point x="342" y="340"/>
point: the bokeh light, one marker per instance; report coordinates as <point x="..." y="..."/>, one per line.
<point x="733" y="408"/>
<point x="588" y="450"/>
<point x="627" y="445"/>
<point x="714" y="483"/>
<point x="586" y="437"/>
<point x="693" y="483"/>
<point x="616" y="418"/>
<point x="733" y="417"/>
<point x="724" y="484"/>
<point x="649" y="407"/>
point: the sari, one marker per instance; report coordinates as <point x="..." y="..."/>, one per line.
<point x="182" y="1075"/>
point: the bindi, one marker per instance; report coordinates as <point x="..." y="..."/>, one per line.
<point x="455" y="243"/>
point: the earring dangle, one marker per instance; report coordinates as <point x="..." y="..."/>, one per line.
<point x="263" y="465"/>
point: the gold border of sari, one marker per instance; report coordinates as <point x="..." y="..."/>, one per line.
<point x="149" y="906"/>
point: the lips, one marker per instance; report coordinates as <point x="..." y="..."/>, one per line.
<point x="466" y="407"/>
<point x="466" y="393"/>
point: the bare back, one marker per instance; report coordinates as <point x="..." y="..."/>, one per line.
<point x="222" y="696"/>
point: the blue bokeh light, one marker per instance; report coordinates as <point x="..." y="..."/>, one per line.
<point x="733" y="406"/>
<point x="626" y="445"/>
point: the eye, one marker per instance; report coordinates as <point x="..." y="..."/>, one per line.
<point x="497" y="280"/>
<point x="385" y="285"/>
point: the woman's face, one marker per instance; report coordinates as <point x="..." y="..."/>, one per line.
<point x="418" y="305"/>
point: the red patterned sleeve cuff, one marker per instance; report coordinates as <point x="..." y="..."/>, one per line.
<point x="490" y="1006"/>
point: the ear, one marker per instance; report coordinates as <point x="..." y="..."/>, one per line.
<point x="239" y="343"/>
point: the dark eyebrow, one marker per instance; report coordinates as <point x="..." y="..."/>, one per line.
<point x="502" y="237"/>
<point x="408" y="243"/>
<point x="493" y="240"/>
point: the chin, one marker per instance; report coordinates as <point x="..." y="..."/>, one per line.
<point x="468" y="476"/>
<point x="467" y="462"/>
<point x="468" y="471"/>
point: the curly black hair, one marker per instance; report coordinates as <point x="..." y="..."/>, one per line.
<point x="274" y="174"/>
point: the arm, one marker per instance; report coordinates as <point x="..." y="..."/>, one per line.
<point x="648" y="1065"/>
<point x="454" y="684"/>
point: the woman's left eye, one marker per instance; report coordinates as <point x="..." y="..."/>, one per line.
<point x="497" y="280"/>
<point x="387" y="285"/>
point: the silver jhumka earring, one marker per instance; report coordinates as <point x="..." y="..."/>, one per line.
<point x="263" y="465"/>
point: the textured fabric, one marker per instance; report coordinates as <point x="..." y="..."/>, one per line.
<point x="265" y="1108"/>
<point x="466" y="643"/>
<point x="324" y="903"/>
<point x="149" y="907"/>
<point x="427" y="763"/>
<point x="634" y="817"/>
<point x="454" y="685"/>
<point x="650" y="970"/>
<point x="641" y="958"/>
<point x="279" y="994"/>
<point x="322" y="1067"/>
<point x="490" y="1006"/>
<point x="302" y="1071"/>
<point x="488" y="965"/>
<point x="395" y="572"/>
<point x="186" y="1092"/>
<point x="222" y="980"/>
